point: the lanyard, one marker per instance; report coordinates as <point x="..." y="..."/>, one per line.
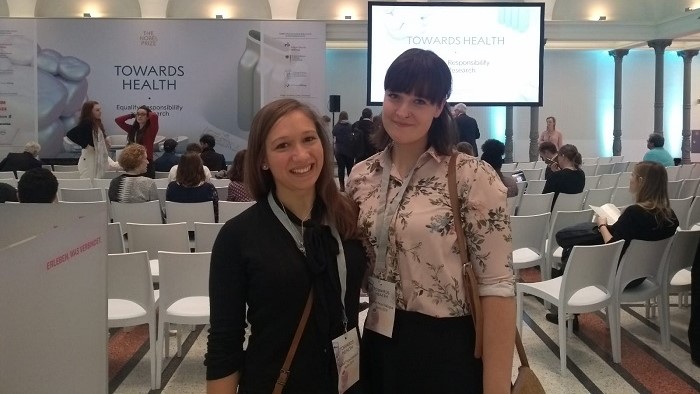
<point x="296" y="235"/>
<point x="387" y="210"/>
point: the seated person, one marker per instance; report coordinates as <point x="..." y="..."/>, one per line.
<point x="215" y="161"/>
<point x="548" y="153"/>
<point x="169" y="158"/>
<point x="22" y="161"/>
<point x="656" y="152"/>
<point x="492" y="152"/>
<point x="651" y="217"/>
<point x="465" y="147"/>
<point x="570" y="179"/>
<point x="237" y="190"/>
<point x="190" y="184"/>
<point x="8" y="193"/>
<point x="193" y="147"/>
<point x="133" y="187"/>
<point x="37" y="185"/>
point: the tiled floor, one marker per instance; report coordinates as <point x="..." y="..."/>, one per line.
<point x="645" y="367"/>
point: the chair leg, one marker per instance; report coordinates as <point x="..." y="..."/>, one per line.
<point x="179" y="339"/>
<point x="665" y="321"/>
<point x="160" y="341"/>
<point x="615" y="332"/>
<point x="166" y="338"/>
<point x="155" y="383"/>
<point x="562" y="340"/>
<point x="519" y="311"/>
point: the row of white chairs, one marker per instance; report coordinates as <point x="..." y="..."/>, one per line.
<point x="675" y="173"/>
<point x="172" y="237"/>
<point x="182" y="298"/>
<point x="592" y="281"/>
<point x="676" y="189"/>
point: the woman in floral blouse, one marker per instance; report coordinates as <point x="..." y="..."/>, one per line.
<point x="418" y="336"/>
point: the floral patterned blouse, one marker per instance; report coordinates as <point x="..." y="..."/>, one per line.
<point x="422" y="256"/>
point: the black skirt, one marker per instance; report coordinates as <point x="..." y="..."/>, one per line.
<point x="425" y="355"/>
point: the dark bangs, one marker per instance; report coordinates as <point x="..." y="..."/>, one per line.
<point x="420" y="73"/>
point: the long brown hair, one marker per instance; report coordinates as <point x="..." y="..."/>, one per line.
<point x="137" y="132"/>
<point x="339" y="209"/>
<point x="190" y="170"/>
<point x="86" y="116"/>
<point x="236" y="172"/>
<point x="652" y="194"/>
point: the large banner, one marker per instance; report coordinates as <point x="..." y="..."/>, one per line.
<point x="200" y="76"/>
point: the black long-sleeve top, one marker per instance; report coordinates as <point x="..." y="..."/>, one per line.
<point x="81" y="134"/>
<point x="255" y="261"/>
<point x="638" y="223"/>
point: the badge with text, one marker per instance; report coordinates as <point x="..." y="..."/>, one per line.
<point x="382" y="306"/>
<point x="347" y="358"/>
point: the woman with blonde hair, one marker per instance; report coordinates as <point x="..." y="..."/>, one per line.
<point x="309" y="262"/>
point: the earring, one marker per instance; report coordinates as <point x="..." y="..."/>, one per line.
<point x="265" y="167"/>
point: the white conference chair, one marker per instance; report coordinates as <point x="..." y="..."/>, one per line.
<point x="153" y="238"/>
<point x="617" y="159"/>
<point x="219" y="182"/>
<point x="589" y="169"/>
<point x="162" y="174"/>
<point x="586" y="286"/>
<point x="620" y="166"/>
<point x="81" y="195"/>
<point x="528" y="236"/>
<point x="540" y="164"/>
<point x="228" y="209"/>
<point x="204" y="235"/>
<point x="161" y="183"/>
<point x="624" y="180"/>
<point x="560" y="220"/>
<point x="176" y="212"/>
<point x="508" y="166"/>
<point x="222" y="192"/>
<point x="693" y="219"/>
<point x="184" y="297"/>
<point x="608" y="180"/>
<point x="591" y="182"/>
<point x="65" y="168"/>
<point x="10" y="181"/>
<point x="535" y="204"/>
<point x="115" y="238"/>
<point x="7" y="175"/>
<point x="130" y="298"/>
<point x="598" y="197"/>
<point x="589" y="161"/>
<point x="681" y="207"/>
<point x="604" y="168"/>
<point x="672" y="172"/>
<point x="568" y="202"/>
<point x="622" y="197"/>
<point x="673" y="188"/>
<point x="680" y="259"/>
<point x="533" y="174"/>
<point x="685" y="171"/>
<point x="137" y="212"/>
<point x="605" y="160"/>
<point x="101" y="183"/>
<point x="66" y="175"/>
<point x="689" y="187"/>
<point x="642" y="259"/>
<point x="528" y="165"/>
<point x="512" y="204"/>
<point x="535" y="186"/>
<point x="69" y="183"/>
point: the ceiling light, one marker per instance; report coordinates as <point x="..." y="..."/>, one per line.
<point x="86" y="15"/>
<point x="219" y="16"/>
<point x="688" y="9"/>
<point x="348" y="16"/>
<point x="602" y="18"/>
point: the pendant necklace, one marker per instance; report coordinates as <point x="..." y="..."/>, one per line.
<point x="300" y="242"/>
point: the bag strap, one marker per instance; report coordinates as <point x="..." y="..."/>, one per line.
<point x="468" y="270"/>
<point x="284" y="372"/>
<point x="469" y="278"/>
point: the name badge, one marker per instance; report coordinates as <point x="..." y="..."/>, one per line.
<point x="382" y="306"/>
<point x="347" y="359"/>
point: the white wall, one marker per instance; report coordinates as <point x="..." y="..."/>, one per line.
<point x="578" y="91"/>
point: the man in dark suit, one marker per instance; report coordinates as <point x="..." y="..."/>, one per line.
<point x="22" y="161"/>
<point x="215" y="161"/>
<point x="466" y="126"/>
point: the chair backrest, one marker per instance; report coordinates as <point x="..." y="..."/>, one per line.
<point x="115" y="238"/>
<point x="568" y="202"/>
<point x="153" y="238"/>
<point x="672" y="172"/>
<point x="695" y="173"/>
<point x="512" y="203"/>
<point x="228" y="209"/>
<point x="588" y="161"/>
<point x="140" y="212"/>
<point x="643" y="259"/>
<point x="624" y="179"/>
<point x="589" y="169"/>
<point x="533" y="174"/>
<point x="535" y="204"/>
<point x="562" y="219"/>
<point x="540" y="164"/>
<point x="65" y="168"/>
<point x="620" y="166"/>
<point x="622" y="197"/>
<point x="101" y="183"/>
<point x="617" y="159"/>
<point x="74" y="183"/>
<point x="112" y="174"/>
<point x="66" y="175"/>
<point x="604" y="168"/>
<point x="161" y="183"/>
<point x="7" y="175"/>
<point x="605" y="160"/>
<point x="219" y="182"/>
<point x="608" y="180"/>
<point x="693" y="215"/>
<point x="508" y="166"/>
<point x="689" y="187"/>
<point x="12" y="182"/>
<point x="681" y="207"/>
<point x="685" y="171"/>
<point x="682" y="253"/>
<point x="673" y="188"/>
<point x="530" y="231"/>
<point x="204" y="235"/>
<point x="117" y="140"/>
<point x="527" y="165"/>
<point x="81" y="195"/>
<point x="162" y="174"/>
<point x="591" y="182"/>
<point x="182" y="275"/>
<point x="189" y="212"/>
<point x="81" y="207"/>
<point x="598" y="197"/>
<point x="222" y="192"/>
<point x="535" y="186"/>
<point x="590" y="266"/>
<point x="129" y="278"/>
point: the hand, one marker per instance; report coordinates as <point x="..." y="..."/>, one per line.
<point x="601" y="221"/>
<point x="133" y="115"/>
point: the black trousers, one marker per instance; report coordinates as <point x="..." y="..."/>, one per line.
<point x="345" y="164"/>
<point x="694" y="326"/>
<point x="425" y="355"/>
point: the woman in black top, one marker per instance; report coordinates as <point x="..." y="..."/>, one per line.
<point x="272" y="256"/>
<point x="651" y="218"/>
<point x="570" y="178"/>
<point x="190" y="184"/>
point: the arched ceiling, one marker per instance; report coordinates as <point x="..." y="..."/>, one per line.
<point x="97" y="8"/>
<point x="239" y="9"/>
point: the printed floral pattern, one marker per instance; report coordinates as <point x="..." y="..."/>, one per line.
<point x="422" y="254"/>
